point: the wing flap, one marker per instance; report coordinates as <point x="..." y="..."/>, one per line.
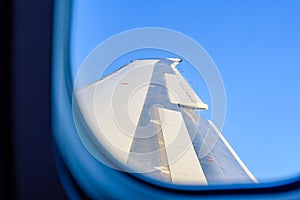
<point x="181" y="93"/>
<point x="183" y="162"/>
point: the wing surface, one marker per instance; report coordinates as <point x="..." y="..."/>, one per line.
<point x="144" y="116"/>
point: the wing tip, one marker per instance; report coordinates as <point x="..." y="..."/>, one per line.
<point x="175" y="59"/>
<point x="194" y="106"/>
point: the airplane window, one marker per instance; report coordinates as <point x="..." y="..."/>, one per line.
<point x="182" y="95"/>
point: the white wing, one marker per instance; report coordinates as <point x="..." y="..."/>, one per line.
<point x="143" y="115"/>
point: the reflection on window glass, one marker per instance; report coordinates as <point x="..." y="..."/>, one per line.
<point x="150" y="100"/>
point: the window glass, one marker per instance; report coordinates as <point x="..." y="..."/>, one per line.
<point x="252" y="95"/>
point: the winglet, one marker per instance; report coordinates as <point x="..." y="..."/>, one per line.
<point x="175" y="59"/>
<point x="194" y="106"/>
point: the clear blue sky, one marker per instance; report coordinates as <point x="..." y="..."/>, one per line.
<point x="256" y="46"/>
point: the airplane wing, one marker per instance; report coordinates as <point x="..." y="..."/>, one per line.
<point x="144" y="115"/>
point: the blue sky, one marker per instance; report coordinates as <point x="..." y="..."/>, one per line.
<point x="255" y="45"/>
